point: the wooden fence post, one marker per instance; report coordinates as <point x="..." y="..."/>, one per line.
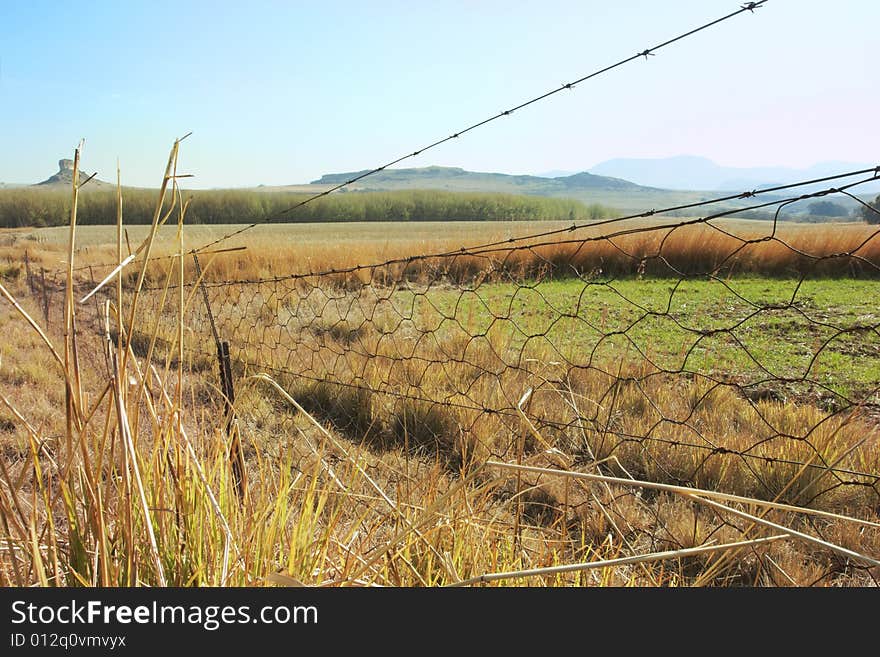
<point x="27" y="273"/>
<point x="45" y="294"/>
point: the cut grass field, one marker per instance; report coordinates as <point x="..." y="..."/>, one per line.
<point x="675" y="430"/>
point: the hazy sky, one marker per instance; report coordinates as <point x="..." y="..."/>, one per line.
<point x="282" y="92"/>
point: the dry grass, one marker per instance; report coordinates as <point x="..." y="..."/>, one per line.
<point x="130" y="482"/>
<point x="723" y="246"/>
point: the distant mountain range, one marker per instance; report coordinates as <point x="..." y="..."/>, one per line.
<point x="455" y="178"/>
<point x="650" y="179"/>
<point x="690" y="172"/>
<point x="628" y="185"/>
<point x="587" y="187"/>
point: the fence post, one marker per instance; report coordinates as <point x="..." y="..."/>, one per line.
<point x="230" y="426"/>
<point x="45" y="293"/>
<point x="236" y="456"/>
<point x="27" y="273"/>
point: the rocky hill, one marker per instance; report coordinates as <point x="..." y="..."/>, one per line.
<point x="64" y="176"/>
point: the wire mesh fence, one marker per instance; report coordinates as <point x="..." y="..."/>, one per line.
<point x="704" y="352"/>
<point x="711" y="353"/>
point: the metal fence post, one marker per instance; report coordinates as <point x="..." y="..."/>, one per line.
<point x="236" y="456"/>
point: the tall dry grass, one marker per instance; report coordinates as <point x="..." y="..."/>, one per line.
<point x="819" y="251"/>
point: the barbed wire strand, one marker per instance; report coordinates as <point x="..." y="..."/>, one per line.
<point x="512" y="242"/>
<point x="568" y="86"/>
<point x="654" y="212"/>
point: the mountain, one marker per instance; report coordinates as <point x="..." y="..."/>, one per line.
<point x="457" y="179"/>
<point x="679" y="181"/>
<point x="691" y="172"/>
<point x="64" y="176"/>
<point x="622" y="195"/>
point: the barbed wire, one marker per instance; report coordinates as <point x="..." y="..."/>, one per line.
<point x="747" y="7"/>
<point x="645" y="214"/>
<point x="654" y="212"/>
<point x="567" y="86"/>
<point x="497" y="246"/>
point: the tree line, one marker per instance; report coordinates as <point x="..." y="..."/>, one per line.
<point x="34" y="207"/>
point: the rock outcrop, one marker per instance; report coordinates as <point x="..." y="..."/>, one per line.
<point x="65" y="175"/>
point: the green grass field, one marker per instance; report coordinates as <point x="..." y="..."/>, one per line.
<point x="743" y="330"/>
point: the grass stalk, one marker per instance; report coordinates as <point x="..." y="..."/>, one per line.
<point x="125" y="433"/>
<point x="615" y="563"/>
<point x="683" y="490"/>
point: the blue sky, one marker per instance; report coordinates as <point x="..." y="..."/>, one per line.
<point x="282" y="92"/>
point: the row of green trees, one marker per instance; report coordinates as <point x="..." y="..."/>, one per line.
<point x="40" y="207"/>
